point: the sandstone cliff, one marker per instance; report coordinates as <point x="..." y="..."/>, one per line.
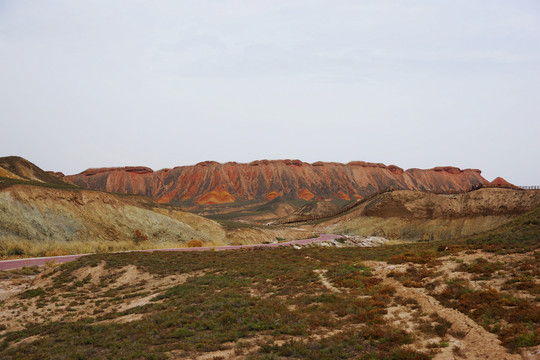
<point x="212" y="183"/>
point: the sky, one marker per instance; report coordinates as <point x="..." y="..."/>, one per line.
<point x="99" y="83"/>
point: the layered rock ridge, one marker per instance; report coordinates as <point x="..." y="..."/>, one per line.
<point x="211" y="182"/>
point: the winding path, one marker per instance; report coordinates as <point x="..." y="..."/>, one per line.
<point x="19" y="263"/>
<point x="477" y="342"/>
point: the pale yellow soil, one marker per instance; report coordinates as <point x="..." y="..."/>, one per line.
<point x="16" y="312"/>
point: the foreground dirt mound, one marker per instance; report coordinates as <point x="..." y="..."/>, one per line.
<point x="211" y="182"/>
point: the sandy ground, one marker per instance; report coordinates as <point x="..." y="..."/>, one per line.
<point x="141" y="288"/>
<point x="465" y="338"/>
<point x="477" y="343"/>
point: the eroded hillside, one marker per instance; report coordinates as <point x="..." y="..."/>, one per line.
<point x="36" y="220"/>
<point x="425" y="216"/>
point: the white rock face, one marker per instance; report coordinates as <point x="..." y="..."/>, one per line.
<point x="349" y="241"/>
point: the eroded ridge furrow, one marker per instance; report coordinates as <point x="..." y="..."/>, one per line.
<point x="478" y="343"/>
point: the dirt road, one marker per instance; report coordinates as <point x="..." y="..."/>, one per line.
<point x="19" y="263"/>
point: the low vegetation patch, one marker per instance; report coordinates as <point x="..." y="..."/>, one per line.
<point x="482" y="268"/>
<point x="273" y="304"/>
<point x="243" y="295"/>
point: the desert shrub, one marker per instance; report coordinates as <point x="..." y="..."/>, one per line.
<point x="421" y="257"/>
<point x="139" y="236"/>
<point x="481" y="266"/>
<point x="208" y="311"/>
<point x="352" y="276"/>
<point x="26" y="270"/>
<point x="194" y="243"/>
<point x="28" y="294"/>
<point x="405" y="301"/>
<point x="413" y="276"/>
<point x="375" y="342"/>
<point x="434" y="325"/>
<point x="521" y="283"/>
<point x="514" y="320"/>
<point x="519" y="335"/>
<point x="458" y="334"/>
<point x="15" y="251"/>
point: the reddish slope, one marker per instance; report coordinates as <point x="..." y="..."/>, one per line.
<point x="211" y="182"/>
<point x="500" y="182"/>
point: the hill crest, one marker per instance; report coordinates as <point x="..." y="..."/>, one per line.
<point x="210" y="182"/>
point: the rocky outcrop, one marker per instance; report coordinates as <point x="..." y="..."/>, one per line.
<point x="58" y="174"/>
<point x="128" y="169"/>
<point x="210" y="182"/>
<point x="500" y="182"/>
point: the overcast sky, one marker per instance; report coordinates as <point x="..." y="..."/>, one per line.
<point x="165" y="83"/>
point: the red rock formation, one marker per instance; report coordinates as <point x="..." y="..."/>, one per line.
<point x="272" y="195"/>
<point x="210" y="182"/>
<point x="56" y="173"/>
<point x="500" y="182"/>
<point x="395" y="169"/>
<point x="306" y="194"/>
<point x="340" y="194"/>
<point x="216" y="197"/>
<point x="449" y="169"/>
<point x="129" y="169"/>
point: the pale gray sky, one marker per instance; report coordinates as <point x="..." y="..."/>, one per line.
<point x="165" y="83"/>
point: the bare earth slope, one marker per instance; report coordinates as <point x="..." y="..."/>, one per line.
<point x="78" y="221"/>
<point x="41" y="214"/>
<point x="420" y="215"/>
<point x="419" y="205"/>
<point x="16" y="167"/>
<point x="211" y="182"/>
